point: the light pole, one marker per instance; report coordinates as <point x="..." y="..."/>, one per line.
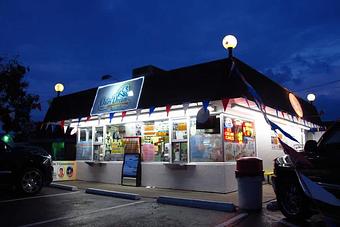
<point x="311" y="98"/>
<point x="229" y="42"/>
<point x="59" y="88"/>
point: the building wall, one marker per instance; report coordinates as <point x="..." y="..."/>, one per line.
<point x="217" y="177"/>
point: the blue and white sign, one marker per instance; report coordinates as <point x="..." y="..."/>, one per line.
<point x="118" y="97"/>
<point x="130" y="165"/>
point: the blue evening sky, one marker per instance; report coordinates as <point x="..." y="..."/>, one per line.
<point x="296" y="43"/>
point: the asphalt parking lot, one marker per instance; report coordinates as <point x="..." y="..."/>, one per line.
<point x="56" y="207"/>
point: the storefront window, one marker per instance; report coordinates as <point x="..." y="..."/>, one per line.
<point x="115" y="140"/>
<point x="114" y="143"/>
<point x="239" y="139"/>
<point x="179" y="140"/>
<point x="98" y="147"/>
<point x="206" y="141"/>
<point x="155" y="141"/>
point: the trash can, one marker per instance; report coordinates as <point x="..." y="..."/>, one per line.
<point x="249" y="175"/>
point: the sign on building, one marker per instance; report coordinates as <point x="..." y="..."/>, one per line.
<point x="118" y="97"/>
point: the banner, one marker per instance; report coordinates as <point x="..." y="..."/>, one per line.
<point x="64" y="170"/>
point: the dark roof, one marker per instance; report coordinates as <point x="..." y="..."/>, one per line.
<point x="206" y="81"/>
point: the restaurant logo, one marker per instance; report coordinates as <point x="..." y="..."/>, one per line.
<point x="118" y="97"/>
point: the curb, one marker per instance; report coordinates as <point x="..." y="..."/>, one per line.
<point x="116" y="194"/>
<point x="203" y="204"/>
<point x="64" y="186"/>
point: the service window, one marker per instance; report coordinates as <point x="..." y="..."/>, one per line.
<point x="206" y="140"/>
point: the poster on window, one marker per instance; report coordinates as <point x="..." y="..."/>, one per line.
<point x="239" y="139"/>
<point x="275" y="141"/>
<point x="64" y="170"/>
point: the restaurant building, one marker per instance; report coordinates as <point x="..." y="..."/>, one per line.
<point x="190" y="124"/>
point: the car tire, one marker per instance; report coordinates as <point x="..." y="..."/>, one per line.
<point x="292" y="202"/>
<point x="30" y="181"/>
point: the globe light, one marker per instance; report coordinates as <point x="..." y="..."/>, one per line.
<point x="229" y="41"/>
<point x="311" y="97"/>
<point x="59" y="88"/>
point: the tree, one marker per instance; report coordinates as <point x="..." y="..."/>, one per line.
<point x="16" y="103"/>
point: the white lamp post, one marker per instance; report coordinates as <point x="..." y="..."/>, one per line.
<point x="311" y="98"/>
<point x="229" y="42"/>
<point x="59" y="88"/>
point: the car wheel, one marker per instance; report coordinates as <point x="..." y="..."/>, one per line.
<point x="31" y="181"/>
<point x="293" y="203"/>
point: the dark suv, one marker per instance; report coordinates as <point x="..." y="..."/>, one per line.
<point x="324" y="156"/>
<point x="25" y="167"/>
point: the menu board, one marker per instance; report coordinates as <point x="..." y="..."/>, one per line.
<point x="132" y="167"/>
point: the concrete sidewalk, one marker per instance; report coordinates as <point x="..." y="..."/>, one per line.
<point x="268" y="193"/>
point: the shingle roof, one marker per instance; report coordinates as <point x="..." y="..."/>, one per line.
<point x="206" y="81"/>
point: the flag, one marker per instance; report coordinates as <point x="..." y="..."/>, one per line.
<point x="151" y="110"/>
<point x="245" y="99"/>
<point x="185" y="107"/>
<point x="99" y="118"/>
<point x="225" y="103"/>
<point x="167" y="108"/>
<point x="123" y="115"/>
<point x="62" y="124"/>
<point x="276" y="127"/>
<point x="205" y="104"/>
<point x="138" y="112"/>
<point x="110" y="116"/>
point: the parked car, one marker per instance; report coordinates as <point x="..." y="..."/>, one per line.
<point x="25" y="167"/>
<point x="325" y="171"/>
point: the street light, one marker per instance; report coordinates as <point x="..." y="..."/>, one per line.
<point x="59" y="88"/>
<point x="311" y="98"/>
<point x="229" y="42"/>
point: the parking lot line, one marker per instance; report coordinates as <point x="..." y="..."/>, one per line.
<point x="36" y="197"/>
<point x="85" y="214"/>
<point x="233" y="220"/>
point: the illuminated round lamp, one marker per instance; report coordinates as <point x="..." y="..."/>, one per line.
<point x="295" y="104"/>
<point x="59" y="88"/>
<point x="311" y="97"/>
<point x="229" y="42"/>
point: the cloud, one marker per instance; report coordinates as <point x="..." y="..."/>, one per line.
<point x="283" y="74"/>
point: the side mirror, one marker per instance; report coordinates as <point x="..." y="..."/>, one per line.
<point x="311" y="146"/>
